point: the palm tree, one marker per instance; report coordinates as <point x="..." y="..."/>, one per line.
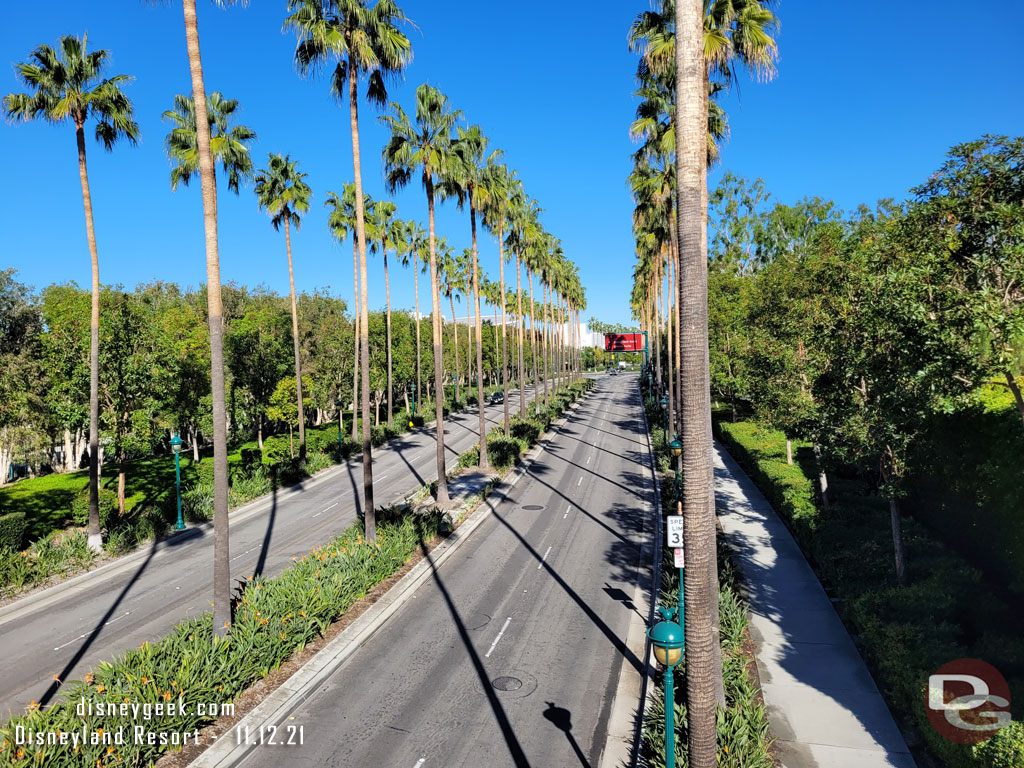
<point x="384" y="233"/>
<point x="471" y="146"/>
<point x="281" y="191"/>
<point x="342" y="223"/>
<point x="367" y="41"/>
<point x="428" y="147"/>
<point x="214" y="311"/>
<point x="524" y="213"/>
<point x="415" y="253"/>
<point x="67" y="85"/>
<point x="500" y="182"/>
<point x="453" y="282"/>
<point x="228" y="144"/>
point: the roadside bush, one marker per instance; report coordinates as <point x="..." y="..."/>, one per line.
<point x="107" y="507"/>
<point x="12" y="530"/>
<point x="275" y="451"/>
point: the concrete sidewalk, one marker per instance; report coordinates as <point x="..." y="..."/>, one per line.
<point x="823" y="706"/>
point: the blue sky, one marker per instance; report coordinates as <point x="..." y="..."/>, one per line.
<point x="865" y="104"/>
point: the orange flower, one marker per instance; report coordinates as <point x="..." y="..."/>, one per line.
<point x="174" y="683"/>
<point x="57" y="677"/>
<point x="20" y="754"/>
<point x="282" y="635"/>
<point x="88" y="678"/>
<point x="100" y="688"/>
<point x="167" y="696"/>
<point x="303" y="614"/>
<point x="144" y="680"/>
<point x="33" y="705"/>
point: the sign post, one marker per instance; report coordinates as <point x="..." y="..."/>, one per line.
<point x="674" y="540"/>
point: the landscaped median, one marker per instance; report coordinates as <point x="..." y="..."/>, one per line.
<point x="156" y="698"/>
<point x="744" y="740"/>
<point x="906" y="632"/>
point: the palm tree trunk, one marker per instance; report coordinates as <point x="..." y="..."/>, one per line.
<point x="544" y="347"/>
<point x="455" y="331"/>
<point x="355" y="337"/>
<point x="533" y="337"/>
<point x="1011" y="382"/>
<point x="435" y="302"/>
<point x="387" y="292"/>
<point x="504" y="344"/>
<point x="484" y="462"/>
<point x="698" y="499"/>
<point x="369" y="513"/>
<point x="95" y="537"/>
<point x="221" y="553"/>
<point x="295" y="340"/>
<point x="670" y="362"/>
<point x="519" y="317"/>
<point x="897" y="540"/>
<point x="416" y="288"/>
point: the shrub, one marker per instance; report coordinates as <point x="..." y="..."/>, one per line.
<point x="12" y="530"/>
<point x="107" y="505"/>
<point x="250" y="457"/>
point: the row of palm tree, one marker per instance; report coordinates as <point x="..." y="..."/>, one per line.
<point x="356" y="43"/>
<point x="690" y="53"/>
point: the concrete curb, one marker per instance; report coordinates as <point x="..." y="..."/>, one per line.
<point x="281" y="702"/>
<point x="622" y="743"/>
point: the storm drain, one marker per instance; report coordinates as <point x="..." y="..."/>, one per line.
<point x="533" y="507"/>
<point x="507" y="683"/>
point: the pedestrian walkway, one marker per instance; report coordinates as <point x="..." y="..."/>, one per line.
<point x="825" y="710"/>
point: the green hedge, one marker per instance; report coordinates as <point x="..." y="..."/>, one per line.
<point x="943" y="612"/>
<point x="12" y="530"/>
<point x="273" y="618"/>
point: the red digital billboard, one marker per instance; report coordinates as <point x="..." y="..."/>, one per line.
<point x="623" y="342"/>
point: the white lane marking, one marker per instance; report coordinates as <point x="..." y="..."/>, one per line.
<point x="541" y="563"/>
<point x="579" y="482"/>
<point x="80" y="637"/>
<point x="318" y="514"/>
<point x="419" y="762"/>
<point x="327" y="508"/>
<point x="495" y="643"/>
<point x="380" y="477"/>
<point x="588" y="459"/>
<point x="566" y="512"/>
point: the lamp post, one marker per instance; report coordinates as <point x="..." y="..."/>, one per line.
<point x="664" y="413"/>
<point x="668" y="640"/>
<point x="676" y="449"/>
<point x="176" y="449"/>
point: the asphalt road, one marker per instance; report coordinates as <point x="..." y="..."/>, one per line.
<point x="511" y="654"/>
<point x="121" y="609"/>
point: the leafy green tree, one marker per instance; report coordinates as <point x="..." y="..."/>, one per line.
<point x="21" y="326"/>
<point x="257" y="346"/>
<point x="68" y="85"/>
<point x="283" y="406"/>
<point x="282" y="191"/>
<point x="362" y="40"/>
<point x="976" y="202"/>
<point x="728" y="332"/>
<point x="426" y="147"/>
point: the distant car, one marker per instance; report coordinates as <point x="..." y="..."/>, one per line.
<point x="497" y="397"/>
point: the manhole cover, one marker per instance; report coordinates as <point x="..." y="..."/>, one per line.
<point x="507" y="683"/>
<point x="533" y="507"/>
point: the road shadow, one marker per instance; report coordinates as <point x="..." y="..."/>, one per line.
<point x="561" y="718"/>
<point x="515" y="749"/>
<point x="271" y="518"/>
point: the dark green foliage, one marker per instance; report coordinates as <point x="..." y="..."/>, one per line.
<point x="107" y="503"/>
<point x="12" y="530"/>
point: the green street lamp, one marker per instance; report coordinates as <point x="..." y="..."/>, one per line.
<point x="669" y="642"/>
<point x="676" y="449"/>
<point x="664" y="412"/>
<point x="176" y="449"/>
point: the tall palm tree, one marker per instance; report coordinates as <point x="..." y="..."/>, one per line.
<point x="342" y="223"/>
<point x="383" y="233"/>
<point x="68" y="85"/>
<point x="524" y="213"/>
<point x="415" y="254"/>
<point x="471" y="147"/>
<point x="283" y="193"/>
<point x="426" y="147"/>
<point x="453" y="277"/>
<point x="215" y="311"/>
<point x="362" y="40"/>
<point x="500" y="183"/>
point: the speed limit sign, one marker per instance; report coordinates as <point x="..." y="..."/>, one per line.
<point x="674" y="531"/>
